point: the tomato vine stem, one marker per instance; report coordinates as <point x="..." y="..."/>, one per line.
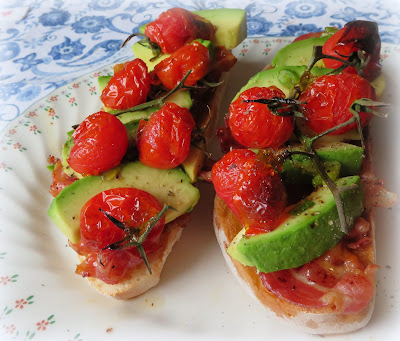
<point x="133" y="236"/>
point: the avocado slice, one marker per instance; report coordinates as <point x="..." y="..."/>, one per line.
<point x="299" y="52"/>
<point x="311" y="228"/>
<point x="230" y="25"/>
<point x="144" y="53"/>
<point x="379" y="84"/>
<point x="171" y="187"/>
<point x="194" y="161"/>
<point x="283" y="77"/>
<point x="300" y="168"/>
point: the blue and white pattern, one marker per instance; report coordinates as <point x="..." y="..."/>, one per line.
<point x="55" y="41"/>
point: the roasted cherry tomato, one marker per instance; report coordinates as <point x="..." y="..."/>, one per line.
<point x="329" y="98"/>
<point x="176" y="27"/>
<point x="358" y="34"/>
<point x="251" y="188"/>
<point x="193" y="57"/>
<point x="131" y="206"/>
<point x="100" y="142"/>
<point x="128" y="87"/>
<point x="164" y="141"/>
<point x="253" y="125"/>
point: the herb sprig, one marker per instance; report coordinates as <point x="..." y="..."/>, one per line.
<point x="133" y="236"/>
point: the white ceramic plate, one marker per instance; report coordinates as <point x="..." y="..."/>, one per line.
<point x="197" y="298"/>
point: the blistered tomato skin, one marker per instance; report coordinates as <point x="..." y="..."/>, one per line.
<point x="131" y="206"/>
<point x="194" y="57"/>
<point x="253" y="125"/>
<point x="164" y="141"/>
<point x="176" y="27"/>
<point x="100" y="142"/>
<point x="128" y="87"/>
<point x="358" y="34"/>
<point x="251" y="188"/>
<point x="227" y="172"/>
<point x="332" y="47"/>
<point x="329" y="98"/>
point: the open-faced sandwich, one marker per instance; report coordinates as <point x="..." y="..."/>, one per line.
<point x="295" y="189"/>
<point x="123" y="185"/>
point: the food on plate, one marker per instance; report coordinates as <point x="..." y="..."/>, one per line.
<point x="124" y="185"/>
<point x="295" y="187"/>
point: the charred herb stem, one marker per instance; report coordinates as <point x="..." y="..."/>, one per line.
<point x="159" y="101"/>
<point x="133" y="236"/>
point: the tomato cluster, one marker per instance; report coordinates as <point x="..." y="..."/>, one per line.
<point x="131" y="206"/>
<point x="101" y="143"/>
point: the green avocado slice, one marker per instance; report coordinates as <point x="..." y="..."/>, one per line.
<point x="284" y="78"/>
<point x="300" y="168"/>
<point x="311" y="229"/>
<point x="299" y="52"/>
<point x="169" y="186"/>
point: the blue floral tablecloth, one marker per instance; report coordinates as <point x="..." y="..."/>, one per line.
<point x="46" y="44"/>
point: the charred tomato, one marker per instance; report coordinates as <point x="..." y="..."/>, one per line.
<point x="356" y="35"/>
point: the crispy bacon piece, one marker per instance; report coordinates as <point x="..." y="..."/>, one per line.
<point x="60" y="180"/>
<point x="337" y="279"/>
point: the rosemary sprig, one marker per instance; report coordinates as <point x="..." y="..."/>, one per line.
<point x="279" y="106"/>
<point x="146" y="42"/>
<point x="308" y="143"/>
<point x="133" y="236"/>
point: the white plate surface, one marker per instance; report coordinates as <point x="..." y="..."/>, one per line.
<point x="42" y="299"/>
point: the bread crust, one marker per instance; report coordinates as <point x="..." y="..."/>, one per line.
<point x="311" y="320"/>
